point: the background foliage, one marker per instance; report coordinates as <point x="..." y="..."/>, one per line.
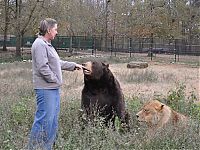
<point x="139" y="18"/>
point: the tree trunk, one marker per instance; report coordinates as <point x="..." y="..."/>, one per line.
<point x="18" y="45"/>
<point x="6" y="26"/>
<point x="5" y="39"/>
<point x="5" y="35"/>
<point x="18" y="29"/>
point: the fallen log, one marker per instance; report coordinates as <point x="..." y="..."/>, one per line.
<point x="137" y="64"/>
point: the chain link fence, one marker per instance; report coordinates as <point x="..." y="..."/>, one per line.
<point x="116" y="45"/>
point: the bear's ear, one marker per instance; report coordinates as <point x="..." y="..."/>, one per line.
<point x="106" y="65"/>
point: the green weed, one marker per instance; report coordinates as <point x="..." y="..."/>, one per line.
<point x="178" y="100"/>
<point x="18" y="106"/>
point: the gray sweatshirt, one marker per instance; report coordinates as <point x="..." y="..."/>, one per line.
<point x="47" y="65"/>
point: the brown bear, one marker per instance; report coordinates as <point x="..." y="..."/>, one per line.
<point x="102" y="94"/>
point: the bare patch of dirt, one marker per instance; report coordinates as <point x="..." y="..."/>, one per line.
<point x="170" y="75"/>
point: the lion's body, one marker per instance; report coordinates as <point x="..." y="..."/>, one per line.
<point x="160" y="116"/>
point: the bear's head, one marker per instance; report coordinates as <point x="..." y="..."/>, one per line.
<point x="95" y="70"/>
<point x="151" y="113"/>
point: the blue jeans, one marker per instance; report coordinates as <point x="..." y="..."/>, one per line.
<point x="45" y="125"/>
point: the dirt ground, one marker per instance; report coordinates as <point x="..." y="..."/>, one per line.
<point x="171" y="76"/>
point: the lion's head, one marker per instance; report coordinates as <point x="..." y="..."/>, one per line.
<point x="151" y="113"/>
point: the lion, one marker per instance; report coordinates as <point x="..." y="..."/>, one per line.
<point x="158" y="116"/>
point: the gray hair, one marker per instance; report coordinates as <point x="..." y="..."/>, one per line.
<point x="45" y="25"/>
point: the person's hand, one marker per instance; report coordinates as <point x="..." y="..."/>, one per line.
<point x="78" y="67"/>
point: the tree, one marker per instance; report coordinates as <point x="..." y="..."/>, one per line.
<point x="5" y="4"/>
<point x="138" y="18"/>
<point x="24" y="12"/>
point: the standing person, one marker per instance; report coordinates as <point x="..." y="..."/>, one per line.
<point x="47" y="80"/>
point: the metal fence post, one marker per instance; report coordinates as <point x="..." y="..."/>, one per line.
<point x="70" y="47"/>
<point x="130" y="46"/>
<point x="175" y="55"/>
<point x="112" y="41"/>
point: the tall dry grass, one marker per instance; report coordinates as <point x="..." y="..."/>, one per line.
<point x="173" y="84"/>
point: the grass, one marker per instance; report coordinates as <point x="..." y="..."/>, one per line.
<point x="139" y="77"/>
<point x="18" y="106"/>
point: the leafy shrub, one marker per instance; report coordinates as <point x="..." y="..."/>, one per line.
<point x="178" y="100"/>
